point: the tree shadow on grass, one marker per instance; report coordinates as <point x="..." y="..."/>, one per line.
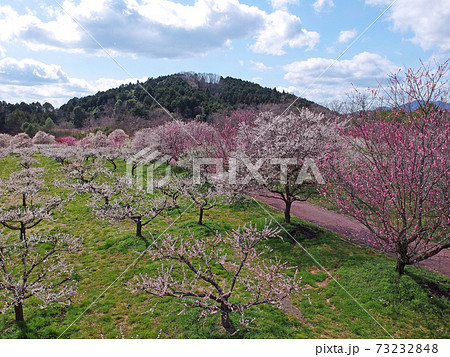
<point x="436" y="288"/>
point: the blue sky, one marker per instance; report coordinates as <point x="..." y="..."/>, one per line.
<point x="55" y="50"/>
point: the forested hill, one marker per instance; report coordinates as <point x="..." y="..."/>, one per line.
<point x="187" y="95"/>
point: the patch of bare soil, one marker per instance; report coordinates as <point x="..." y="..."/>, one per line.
<point x="315" y="270"/>
<point x="288" y="306"/>
<point x="323" y="283"/>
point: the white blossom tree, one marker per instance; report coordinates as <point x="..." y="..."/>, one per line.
<point x="111" y="154"/>
<point x="147" y="138"/>
<point x="281" y="153"/>
<point x="206" y="186"/>
<point x="5" y="141"/>
<point x="204" y="196"/>
<point x="35" y="267"/>
<point x="63" y="154"/>
<point x="43" y="138"/>
<point x="123" y="199"/>
<point x="20" y="141"/>
<point x="195" y="275"/>
<point x="32" y="265"/>
<point x="28" y="203"/>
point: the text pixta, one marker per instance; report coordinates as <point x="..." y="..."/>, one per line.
<point x="346" y="350"/>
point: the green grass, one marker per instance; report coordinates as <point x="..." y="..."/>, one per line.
<point x="405" y="307"/>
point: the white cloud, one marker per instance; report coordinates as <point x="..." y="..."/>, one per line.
<point x="2" y="52"/>
<point x="283" y="4"/>
<point x="320" y="5"/>
<point x="29" y="80"/>
<point x="290" y="89"/>
<point x="154" y="28"/>
<point x="345" y="36"/>
<point x="283" y="29"/>
<point x="259" y="66"/>
<point x="362" y="71"/>
<point x="428" y="21"/>
<point x="29" y="72"/>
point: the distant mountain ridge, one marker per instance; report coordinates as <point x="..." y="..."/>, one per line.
<point x="417" y="104"/>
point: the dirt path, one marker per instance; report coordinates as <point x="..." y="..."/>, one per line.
<point x="350" y="228"/>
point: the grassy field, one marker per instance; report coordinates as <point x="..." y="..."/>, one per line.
<point x="415" y="306"/>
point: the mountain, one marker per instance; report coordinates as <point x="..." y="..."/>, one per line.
<point x="417" y="104"/>
<point x="185" y="95"/>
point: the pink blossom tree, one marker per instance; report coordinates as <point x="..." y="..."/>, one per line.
<point x="393" y="175"/>
<point x="227" y="128"/>
<point x="117" y="138"/>
<point x="193" y="275"/>
<point x="178" y="137"/>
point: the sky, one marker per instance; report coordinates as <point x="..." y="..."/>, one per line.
<point x="322" y="50"/>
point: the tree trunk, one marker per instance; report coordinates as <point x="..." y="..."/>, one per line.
<point x="200" y="219"/>
<point x="287" y="212"/>
<point x="23" y="232"/>
<point x="139" y="228"/>
<point x="225" y="316"/>
<point x="400" y="267"/>
<point x="402" y="256"/>
<point x="18" y="309"/>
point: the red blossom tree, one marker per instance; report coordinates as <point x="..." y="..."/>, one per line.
<point x="67" y="140"/>
<point x="393" y="174"/>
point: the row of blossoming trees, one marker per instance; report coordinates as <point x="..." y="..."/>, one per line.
<point x="388" y="169"/>
<point x="35" y="267"/>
